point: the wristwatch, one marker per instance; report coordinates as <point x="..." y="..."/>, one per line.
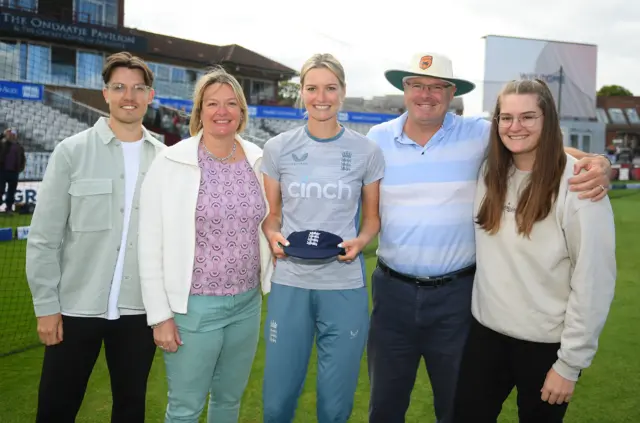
<point x="606" y="157"/>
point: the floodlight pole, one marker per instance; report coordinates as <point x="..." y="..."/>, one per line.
<point x="560" y="92"/>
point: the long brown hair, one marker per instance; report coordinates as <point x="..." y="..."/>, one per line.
<point x="537" y="198"/>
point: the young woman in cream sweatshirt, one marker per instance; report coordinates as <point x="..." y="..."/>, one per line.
<point x="546" y="268"/>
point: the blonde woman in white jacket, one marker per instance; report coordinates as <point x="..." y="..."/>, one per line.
<point x="203" y="258"/>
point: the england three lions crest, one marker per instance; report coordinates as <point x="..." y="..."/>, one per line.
<point x="345" y="162"/>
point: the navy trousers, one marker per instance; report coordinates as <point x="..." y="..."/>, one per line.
<point x="409" y="323"/>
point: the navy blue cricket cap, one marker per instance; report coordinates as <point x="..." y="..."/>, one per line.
<point x="313" y="245"/>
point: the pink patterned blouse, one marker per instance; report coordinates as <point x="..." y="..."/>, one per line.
<point x="228" y="214"/>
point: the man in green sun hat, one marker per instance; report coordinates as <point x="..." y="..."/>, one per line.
<point x="426" y="253"/>
<point x="431" y="66"/>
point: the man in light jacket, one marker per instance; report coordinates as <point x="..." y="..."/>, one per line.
<point x="82" y="264"/>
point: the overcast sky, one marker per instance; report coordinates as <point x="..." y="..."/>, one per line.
<point x="369" y="39"/>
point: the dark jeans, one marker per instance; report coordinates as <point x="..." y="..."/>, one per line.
<point x="409" y="323"/>
<point x="10" y="179"/>
<point x="492" y="365"/>
<point x="129" y="350"/>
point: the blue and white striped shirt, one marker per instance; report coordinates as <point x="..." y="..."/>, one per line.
<point x="427" y="193"/>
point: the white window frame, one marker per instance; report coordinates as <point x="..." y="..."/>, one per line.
<point x="582" y="146"/>
<point x="602" y="115"/>
<point x="103" y="3"/>
<point x="250" y="79"/>
<point x="40" y="44"/>
<point x="16" y="70"/>
<point x="7" y="3"/>
<point x="621" y="114"/>
<point x="82" y="50"/>
<point x="632" y="115"/>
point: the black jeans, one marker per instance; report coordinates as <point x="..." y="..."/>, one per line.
<point x="8" y="180"/>
<point x="492" y="365"/>
<point x="409" y="323"/>
<point x="129" y="351"/>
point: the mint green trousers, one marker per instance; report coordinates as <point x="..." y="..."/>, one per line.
<point x="220" y="336"/>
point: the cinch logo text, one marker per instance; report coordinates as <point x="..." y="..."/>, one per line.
<point x="329" y="191"/>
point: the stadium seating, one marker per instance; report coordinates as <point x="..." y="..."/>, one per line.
<point x="277" y="126"/>
<point x="256" y="132"/>
<point x="40" y="126"/>
<point x="260" y="130"/>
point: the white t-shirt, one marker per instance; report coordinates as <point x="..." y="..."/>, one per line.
<point x="131" y="152"/>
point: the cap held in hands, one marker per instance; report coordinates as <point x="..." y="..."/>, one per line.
<point x="314" y="244"/>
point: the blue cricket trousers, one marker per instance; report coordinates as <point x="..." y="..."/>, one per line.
<point x="339" y="321"/>
<point x="220" y="336"/>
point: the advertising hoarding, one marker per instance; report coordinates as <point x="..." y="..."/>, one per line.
<point x="26" y="193"/>
<point x="273" y="112"/>
<point x="19" y="91"/>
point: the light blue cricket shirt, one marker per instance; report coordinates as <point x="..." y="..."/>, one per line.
<point x="427" y="193"/>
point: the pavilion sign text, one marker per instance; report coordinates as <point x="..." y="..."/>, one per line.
<point x="48" y="28"/>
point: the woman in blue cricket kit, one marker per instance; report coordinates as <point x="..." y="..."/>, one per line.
<point x="324" y="178"/>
